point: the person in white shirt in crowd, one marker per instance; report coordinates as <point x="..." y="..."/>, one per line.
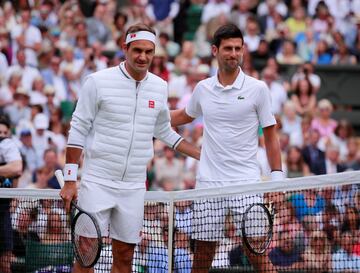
<point x="28" y="151"/>
<point x="28" y="72"/>
<point x="230" y="143"/>
<point x="52" y="75"/>
<point x="19" y="110"/>
<point x="26" y="37"/>
<point x="41" y="135"/>
<point x="213" y="9"/>
<point x="277" y="91"/>
<point x="9" y="88"/>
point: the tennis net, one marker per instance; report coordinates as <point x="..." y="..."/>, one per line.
<point x="316" y="228"/>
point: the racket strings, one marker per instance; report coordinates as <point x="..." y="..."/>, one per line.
<point x="86" y="239"/>
<point x="258" y="228"/>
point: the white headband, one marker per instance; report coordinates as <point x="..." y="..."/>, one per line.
<point x="140" y="35"/>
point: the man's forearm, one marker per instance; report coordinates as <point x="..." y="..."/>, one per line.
<point x="179" y="117"/>
<point x="73" y="155"/>
<point x="11" y="169"/>
<point x="189" y="149"/>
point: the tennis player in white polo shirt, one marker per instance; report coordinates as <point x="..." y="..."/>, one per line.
<point x="119" y="111"/>
<point x="233" y="106"/>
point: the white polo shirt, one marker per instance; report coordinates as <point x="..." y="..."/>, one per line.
<point x="232" y="116"/>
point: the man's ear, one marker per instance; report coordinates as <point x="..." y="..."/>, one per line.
<point x="214" y="50"/>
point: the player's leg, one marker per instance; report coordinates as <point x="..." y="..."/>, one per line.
<point x="79" y="269"/>
<point x="261" y="263"/>
<point x="122" y="256"/>
<point x="207" y="229"/>
<point x="203" y="256"/>
<point x="125" y="227"/>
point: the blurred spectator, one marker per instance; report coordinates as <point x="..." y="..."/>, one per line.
<point x="317" y="256"/>
<point x="171" y="48"/>
<point x="287" y="54"/>
<point x="286" y="255"/>
<point x="322" y="54"/>
<point x="291" y="124"/>
<point x="304" y="97"/>
<point x="42" y="176"/>
<point x="307" y="203"/>
<point x="53" y="76"/>
<point x="344" y="259"/>
<point x="51" y="161"/>
<point x="351" y="222"/>
<point x="295" y="165"/>
<point x="342" y="133"/>
<point x="343" y="57"/>
<point x="306" y="71"/>
<point x="296" y="23"/>
<point x="252" y="37"/>
<point x="323" y="121"/>
<point x="26" y="37"/>
<point x="306" y="45"/>
<point x="28" y="151"/>
<point x="213" y="9"/>
<point x="158" y="65"/>
<point x="240" y="13"/>
<point x="332" y="161"/>
<point x="19" y="109"/>
<point x="161" y="14"/>
<point x="28" y="72"/>
<point x="8" y="90"/>
<point x="97" y="28"/>
<point x="170" y="168"/>
<point x="277" y="90"/>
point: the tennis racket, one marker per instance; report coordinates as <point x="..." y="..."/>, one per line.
<point x="257" y="227"/>
<point x="85" y="232"/>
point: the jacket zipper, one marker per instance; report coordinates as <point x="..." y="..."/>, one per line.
<point x="137" y="85"/>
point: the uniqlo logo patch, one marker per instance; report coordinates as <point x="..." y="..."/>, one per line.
<point x="151" y="104"/>
<point x="133" y="35"/>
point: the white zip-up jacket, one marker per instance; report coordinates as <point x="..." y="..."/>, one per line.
<point x="115" y="120"/>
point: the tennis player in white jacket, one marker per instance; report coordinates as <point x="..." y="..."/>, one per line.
<point x="119" y="111"/>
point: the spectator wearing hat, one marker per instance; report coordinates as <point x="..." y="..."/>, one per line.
<point x="52" y="102"/>
<point x="41" y="136"/>
<point x="28" y="72"/>
<point x="19" y="109"/>
<point x="28" y="151"/>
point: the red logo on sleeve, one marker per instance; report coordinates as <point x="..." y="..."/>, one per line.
<point x="151" y="104"/>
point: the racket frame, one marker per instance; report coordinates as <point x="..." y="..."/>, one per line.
<point x="270" y="217"/>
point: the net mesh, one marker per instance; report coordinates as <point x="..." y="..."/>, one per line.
<point x="316" y="229"/>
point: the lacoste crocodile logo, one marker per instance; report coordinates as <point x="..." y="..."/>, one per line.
<point x="240" y="98"/>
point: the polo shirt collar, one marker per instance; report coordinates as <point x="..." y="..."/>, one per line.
<point x="124" y="71"/>
<point x="238" y="83"/>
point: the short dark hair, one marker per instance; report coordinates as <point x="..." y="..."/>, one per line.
<point x="4" y="120"/>
<point x="140" y="27"/>
<point x="226" y="31"/>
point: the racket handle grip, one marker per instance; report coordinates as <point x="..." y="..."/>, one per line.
<point x="60" y="178"/>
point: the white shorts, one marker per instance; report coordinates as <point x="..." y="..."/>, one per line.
<point x="120" y="211"/>
<point x="209" y="215"/>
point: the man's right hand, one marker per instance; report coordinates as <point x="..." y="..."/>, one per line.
<point x="69" y="193"/>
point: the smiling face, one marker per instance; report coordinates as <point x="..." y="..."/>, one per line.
<point x="139" y="55"/>
<point x="229" y="54"/>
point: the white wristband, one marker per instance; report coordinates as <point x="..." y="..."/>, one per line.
<point x="277" y="175"/>
<point x="70" y="172"/>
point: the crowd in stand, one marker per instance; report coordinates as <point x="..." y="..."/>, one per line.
<point x="48" y="47"/>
